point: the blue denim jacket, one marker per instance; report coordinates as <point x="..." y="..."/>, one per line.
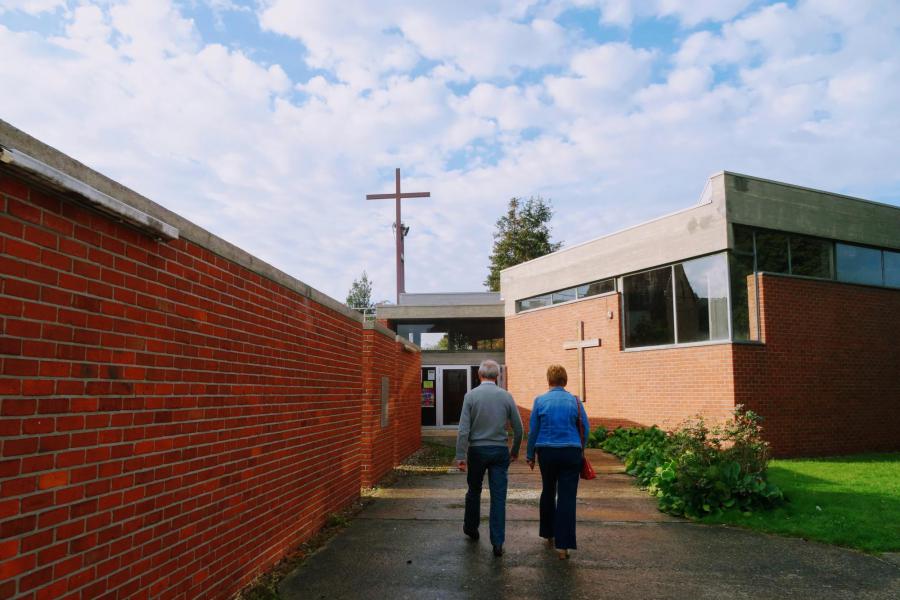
<point x="554" y="421"/>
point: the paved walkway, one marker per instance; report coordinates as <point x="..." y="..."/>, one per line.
<point x="409" y="544"/>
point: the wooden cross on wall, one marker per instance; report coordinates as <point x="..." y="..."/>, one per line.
<point x="399" y="230"/>
<point x="580" y="344"/>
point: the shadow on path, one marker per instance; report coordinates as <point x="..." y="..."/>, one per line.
<point x="409" y="544"/>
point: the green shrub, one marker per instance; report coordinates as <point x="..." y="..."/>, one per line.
<point x="697" y="470"/>
<point x="596" y="437"/>
<point x="621" y="441"/>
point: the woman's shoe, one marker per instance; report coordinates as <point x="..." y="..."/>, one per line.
<point x="563" y="554"/>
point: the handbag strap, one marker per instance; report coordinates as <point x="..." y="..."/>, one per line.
<point x="579" y="423"/>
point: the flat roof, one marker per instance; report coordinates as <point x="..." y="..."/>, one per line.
<point x="728" y="197"/>
<point x="452" y="305"/>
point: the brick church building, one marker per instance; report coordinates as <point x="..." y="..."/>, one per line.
<point x="777" y="297"/>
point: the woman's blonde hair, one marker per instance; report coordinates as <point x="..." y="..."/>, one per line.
<point x="556" y="375"/>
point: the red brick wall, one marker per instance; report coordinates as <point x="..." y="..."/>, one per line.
<point x="379" y="355"/>
<point x="172" y="422"/>
<point x="408" y="412"/>
<point x="662" y="387"/>
<point x="827" y="379"/>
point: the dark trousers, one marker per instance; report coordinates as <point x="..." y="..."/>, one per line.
<point x="560" y="469"/>
<point x="494" y="460"/>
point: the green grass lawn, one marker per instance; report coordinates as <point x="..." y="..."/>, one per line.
<point x="849" y="500"/>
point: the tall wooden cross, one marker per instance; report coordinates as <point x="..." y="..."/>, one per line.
<point x="399" y="230"/>
<point x="580" y="344"/>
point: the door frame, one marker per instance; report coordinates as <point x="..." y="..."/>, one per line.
<point x="439" y="387"/>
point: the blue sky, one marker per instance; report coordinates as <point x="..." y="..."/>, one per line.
<point x="268" y="121"/>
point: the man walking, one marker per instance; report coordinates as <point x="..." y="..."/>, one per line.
<point x="482" y="432"/>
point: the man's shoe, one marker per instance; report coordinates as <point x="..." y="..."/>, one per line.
<point x="498" y="550"/>
<point x="472" y="533"/>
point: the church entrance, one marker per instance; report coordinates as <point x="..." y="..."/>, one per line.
<point x="443" y="391"/>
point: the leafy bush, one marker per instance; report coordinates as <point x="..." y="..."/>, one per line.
<point x="697" y="470"/>
<point x="621" y="441"/>
<point x="596" y="437"/>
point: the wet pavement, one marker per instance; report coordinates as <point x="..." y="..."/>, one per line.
<point x="409" y="544"/>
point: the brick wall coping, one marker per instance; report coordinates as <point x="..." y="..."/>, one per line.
<point x="386" y="331"/>
<point x="19" y="140"/>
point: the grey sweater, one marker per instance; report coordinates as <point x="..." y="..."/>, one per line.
<point x="485" y="412"/>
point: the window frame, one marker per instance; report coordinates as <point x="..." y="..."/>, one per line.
<point x="622" y="321"/>
<point x="574" y="288"/>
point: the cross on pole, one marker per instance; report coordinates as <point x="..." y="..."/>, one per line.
<point x="580" y="344"/>
<point x="399" y="232"/>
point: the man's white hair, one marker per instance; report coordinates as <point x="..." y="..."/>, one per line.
<point x="489" y="369"/>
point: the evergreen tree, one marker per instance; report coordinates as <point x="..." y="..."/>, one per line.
<point x="522" y="234"/>
<point x="360" y="295"/>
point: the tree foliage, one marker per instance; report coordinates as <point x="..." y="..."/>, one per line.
<point x="360" y="295"/>
<point x="522" y="234"/>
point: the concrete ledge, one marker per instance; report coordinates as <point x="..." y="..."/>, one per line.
<point x="68" y="184"/>
<point x="470" y="357"/>
<point x="470" y="311"/>
<point x="19" y="140"/>
<point x="376" y="326"/>
<point x="407" y="345"/>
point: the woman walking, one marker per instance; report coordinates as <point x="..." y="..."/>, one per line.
<point x="555" y="435"/>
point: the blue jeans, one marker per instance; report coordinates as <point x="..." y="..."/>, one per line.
<point x="560" y="469"/>
<point x="494" y="460"/>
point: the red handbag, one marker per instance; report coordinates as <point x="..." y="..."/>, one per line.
<point x="587" y="470"/>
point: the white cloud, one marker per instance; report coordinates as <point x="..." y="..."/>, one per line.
<point x="32" y="7"/>
<point x="690" y="12"/>
<point x="475" y="102"/>
<point x="602" y="75"/>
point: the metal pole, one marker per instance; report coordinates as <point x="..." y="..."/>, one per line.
<point x="398" y="231"/>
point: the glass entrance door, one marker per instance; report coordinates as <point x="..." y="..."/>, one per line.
<point x="455" y="385"/>
<point x="429" y="396"/>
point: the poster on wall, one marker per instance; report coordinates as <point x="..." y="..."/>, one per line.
<point x="428" y="384"/>
<point x="431" y="374"/>
<point x="428" y="398"/>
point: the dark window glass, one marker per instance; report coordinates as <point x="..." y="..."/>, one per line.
<point x="598" y="287"/>
<point x="563" y="296"/>
<point x="649" y="318"/>
<point x="536" y="302"/>
<point x="892" y="268"/>
<point x="743" y="239"/>
<point x="455" y="335"/>
<point x="743" y="299"/>
<point x="811" y="257"/>
<point x="701" y="299"/>
<point x="771" y="252"/>
<point x="856" y="264"/>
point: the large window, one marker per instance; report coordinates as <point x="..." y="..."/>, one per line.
<point x="892" y="269"/>
<point x="455" y="335"/>
<point x="649" y="314"/>
<point x="594" y="288"/>
<point x="793" y="254"/>
<point x="857" y="264"/>
<point x="701" y="299"/>
<point x="811" y="257"/>
<point x="679" y="304"/>
<point x="772" y="252"/>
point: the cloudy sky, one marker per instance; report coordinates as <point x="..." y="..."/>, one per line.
<point x="267" y="121"/>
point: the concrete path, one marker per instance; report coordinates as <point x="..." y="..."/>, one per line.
<point x="409" y="544"/>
